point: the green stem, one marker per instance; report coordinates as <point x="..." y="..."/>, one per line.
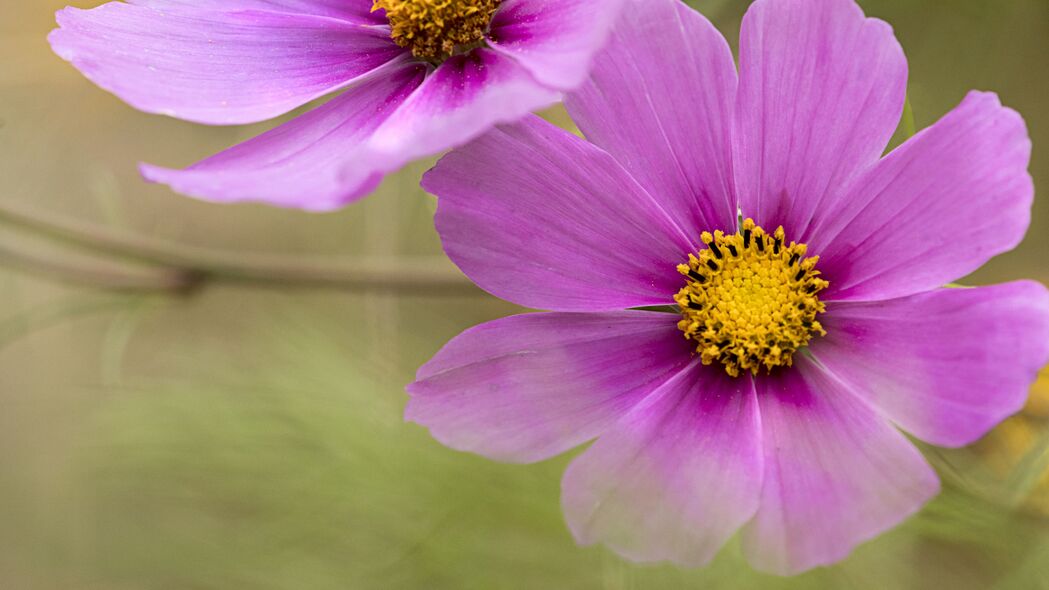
<point x="196" y="266"/>
<point x="108" y="278"/>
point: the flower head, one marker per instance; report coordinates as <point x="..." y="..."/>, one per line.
<point x="417" y="77"/>
<point x="803" y="336"/>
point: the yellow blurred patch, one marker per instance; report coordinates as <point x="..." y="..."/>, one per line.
<point x="1021" y="444"/>
<point x="1038" y="403"/>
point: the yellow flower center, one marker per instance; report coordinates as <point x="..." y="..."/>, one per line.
<point x="750" y="300"/>
<point x="437" y="29"/>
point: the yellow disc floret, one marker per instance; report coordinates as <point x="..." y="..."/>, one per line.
<point x="437" y="29"/>
<point x="751" y="299"/>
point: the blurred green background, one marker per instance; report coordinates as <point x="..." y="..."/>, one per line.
<point x="209" y="397"/>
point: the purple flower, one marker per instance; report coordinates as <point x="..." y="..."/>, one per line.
<point x="766" y="403"/>
<point x="419" y="76"/>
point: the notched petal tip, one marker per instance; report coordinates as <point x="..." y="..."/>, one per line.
<point x="923" y="494"/>
<point x="56" y="39"/>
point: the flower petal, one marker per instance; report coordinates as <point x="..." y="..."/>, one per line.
<point x="675" y="478"/>
<point x="528" y="387"/>
<point x="217" y="67"/>
<point x="933" y="210"/>
<point x="836" y="474"/>
<point x="670" y="128"/>
<point x="553" y="39"/>
<point x="821" y="93"/>
<point x="947" y="365"/>
<point x="465" y="97"/>
<point x="537" y="216"/>
<point x="359" y="11"/>
<point x="316" y="162"/>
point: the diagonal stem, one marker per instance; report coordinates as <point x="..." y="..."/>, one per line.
<point x="196" y="265"/>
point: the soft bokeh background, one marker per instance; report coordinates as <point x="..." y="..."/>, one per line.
<point x="204" y="397"/>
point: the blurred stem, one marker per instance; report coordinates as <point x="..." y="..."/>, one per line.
<point x="118" y="336"/>
<point x="188" y="267"/>
<point x="54" y="313"/>
<point x="80" y="274"/>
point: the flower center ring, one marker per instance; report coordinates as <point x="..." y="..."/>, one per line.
<point x="435" y="30"/>
<point x="751" y="299"/>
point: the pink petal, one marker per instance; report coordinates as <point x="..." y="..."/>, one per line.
<point x="217" y="67"/>
<point x="670" y="128"/>
<point x="359" y="11"/>
<point x="947" y="365"/>
<point x="465" y="97"/>
<point x="537" y="216"/>
<point x="316" y="161"/>
<point x="675" y="478"/>
<point x="553" y="39"/>
<point x="821" y="92"/>
<point x="836" y="474"/>
<point x="529" y="387"/>
<point x="934" y="210"/>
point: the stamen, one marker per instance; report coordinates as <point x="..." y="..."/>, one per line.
<point x="437" y="29"/>
<point x="752" y="310"/>
<point x="697" y="277"/>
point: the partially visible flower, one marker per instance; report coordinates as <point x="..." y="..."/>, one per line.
<point x="419" y="76"/>
<point x="766" y="403"/>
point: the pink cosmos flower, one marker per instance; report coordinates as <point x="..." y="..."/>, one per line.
<point x="419" y="76"/>
<point x="768" y="402"/>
